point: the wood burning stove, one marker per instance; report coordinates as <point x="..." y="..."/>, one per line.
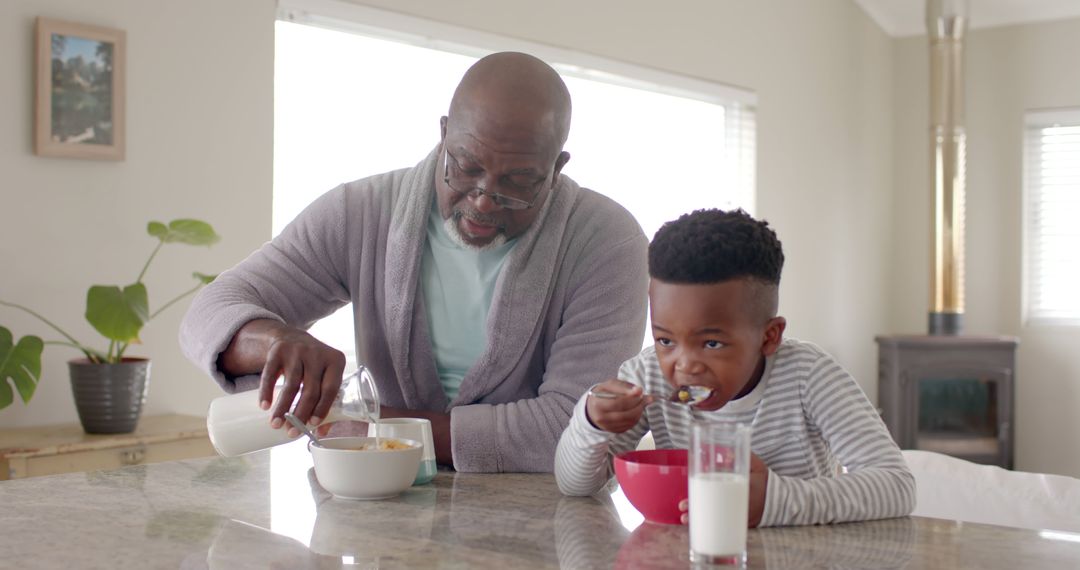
<point x="947" y="392"/>
<point x="950" y="394"/>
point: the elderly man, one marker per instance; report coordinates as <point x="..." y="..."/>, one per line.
<point x="489" y="291"/>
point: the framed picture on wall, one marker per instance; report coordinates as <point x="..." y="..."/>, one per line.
<point x="79" y="102"/>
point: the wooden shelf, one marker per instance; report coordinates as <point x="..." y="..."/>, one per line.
<point x="48" y="450"/>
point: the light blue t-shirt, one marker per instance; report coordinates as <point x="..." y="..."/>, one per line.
<point x="458" y="285"/>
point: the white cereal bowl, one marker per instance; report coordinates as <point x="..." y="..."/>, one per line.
<point x="348" y="472"/>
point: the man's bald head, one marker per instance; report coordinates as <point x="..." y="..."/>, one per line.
<point x="513" y="91"/>
<point x="503" y="137"/>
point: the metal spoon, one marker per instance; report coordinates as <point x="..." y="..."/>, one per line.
<point x="685" y="395"/>
<point x="603" y="394"/>
<point x="300" y="426"/>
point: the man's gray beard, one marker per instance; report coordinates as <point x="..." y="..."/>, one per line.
<point x="456" y="236"/>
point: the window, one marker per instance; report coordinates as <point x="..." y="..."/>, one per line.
<point x="354" y="99"/>
<point x="1052" y="217"/>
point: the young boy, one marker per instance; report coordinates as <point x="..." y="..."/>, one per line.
<point x="713" y="298"/>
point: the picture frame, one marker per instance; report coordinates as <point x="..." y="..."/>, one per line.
<point x="79" y="90"/>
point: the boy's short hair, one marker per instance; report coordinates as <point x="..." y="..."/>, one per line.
<point x="711" y="246"/>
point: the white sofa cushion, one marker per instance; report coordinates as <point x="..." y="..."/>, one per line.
<point x="952" y="488"/>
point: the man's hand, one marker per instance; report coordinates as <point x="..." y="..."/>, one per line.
<point x="310" y="368"/>
<point x="621" y="411"/>
<point x="759" y="482"/>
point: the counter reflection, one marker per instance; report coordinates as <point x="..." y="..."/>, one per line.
<point x="239" y="544"/>
<point x="371" y="533"/>
<point x="292" y="512"/>
<point x="888" y="543"/>
<point x="429" y="523"/>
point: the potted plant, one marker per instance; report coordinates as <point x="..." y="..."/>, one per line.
<point x="109" y="386"/>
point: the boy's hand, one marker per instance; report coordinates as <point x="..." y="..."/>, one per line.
<point x="759" y="482"/>
<point x="619" y="412"/>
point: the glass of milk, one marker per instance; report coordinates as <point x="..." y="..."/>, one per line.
<point x="237" y="424"/>
<point x="719" y="492"/>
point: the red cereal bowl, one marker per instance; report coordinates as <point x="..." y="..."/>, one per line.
<point x="654" y="481"/>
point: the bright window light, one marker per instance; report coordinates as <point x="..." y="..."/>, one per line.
<point x="1052" y="206"/>
<point x="349" y="105"/>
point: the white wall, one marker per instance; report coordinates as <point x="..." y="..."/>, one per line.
<point x="1010" y="70"/>
<point x="199" y="144"/>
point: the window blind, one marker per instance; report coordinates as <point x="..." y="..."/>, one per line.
<point x="1052" y="216"/>
<point x="734" y="166"/>
<point x="740" y="152"/>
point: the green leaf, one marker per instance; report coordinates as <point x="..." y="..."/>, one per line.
<point x="118" y="314"/>
<point x="191" y="232"/>
<point x="157" y="229"/>
<point x="21" y="363"/>
<point x="204" y="278"/>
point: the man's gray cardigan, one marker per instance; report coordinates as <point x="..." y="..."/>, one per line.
<point x="569" y="308"/>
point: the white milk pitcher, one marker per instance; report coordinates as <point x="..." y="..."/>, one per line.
<point x="237" y="424"/>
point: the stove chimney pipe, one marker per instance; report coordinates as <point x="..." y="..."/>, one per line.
<point x="946" y="25"/>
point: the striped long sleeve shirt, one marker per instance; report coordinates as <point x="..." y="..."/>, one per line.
<point x="809" y="419"/>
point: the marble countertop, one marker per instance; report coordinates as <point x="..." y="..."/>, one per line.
<point x="266" y="510"/>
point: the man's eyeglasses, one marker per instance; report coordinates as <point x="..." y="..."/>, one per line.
<point x="463" y="183"/>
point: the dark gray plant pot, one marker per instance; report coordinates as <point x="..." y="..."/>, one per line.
<point x="109" y="397"/>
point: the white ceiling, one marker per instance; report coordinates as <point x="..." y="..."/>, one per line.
<point x="905" y="17"/>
